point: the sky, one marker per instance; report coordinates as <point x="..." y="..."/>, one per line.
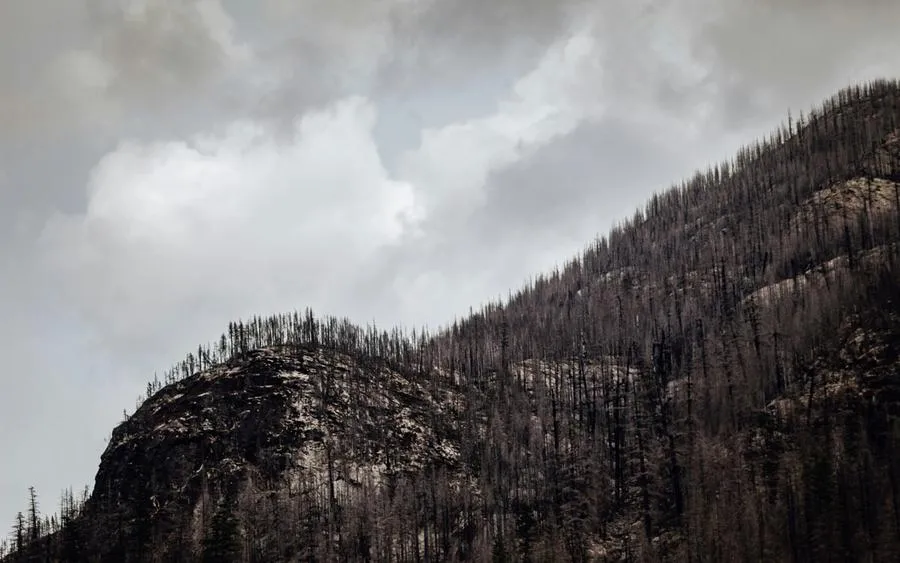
<point x="167" y="166"/>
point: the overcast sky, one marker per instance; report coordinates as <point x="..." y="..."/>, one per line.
<point x="169" y="165"/>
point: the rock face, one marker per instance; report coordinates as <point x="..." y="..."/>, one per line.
<point x="274" y="422"/>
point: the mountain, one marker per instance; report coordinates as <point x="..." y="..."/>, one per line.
<point x="717" y="379"/>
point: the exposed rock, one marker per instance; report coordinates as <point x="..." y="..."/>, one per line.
<point x="276" y="419"/>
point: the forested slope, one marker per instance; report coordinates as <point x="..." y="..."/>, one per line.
<point x="715" y="380"/>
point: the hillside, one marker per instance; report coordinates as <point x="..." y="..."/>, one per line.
<point x="715" y="380"/>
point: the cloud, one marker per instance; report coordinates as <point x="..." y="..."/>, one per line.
<point x="116" y="58"/>
<point x="155" y="48"/>
<point x="770" y="55"/>
<point x="453" y="163"/>
<point x="26" y="52"/>
<point x="469" y="29"/>
<point x="726" y="60"/>
<point x="314" y="51"/>
<point x="226" y="224"/>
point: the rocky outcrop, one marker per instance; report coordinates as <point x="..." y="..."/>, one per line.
<point x="274" y="421"/>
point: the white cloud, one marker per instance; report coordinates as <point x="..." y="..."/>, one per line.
<point x="228" y="224"/>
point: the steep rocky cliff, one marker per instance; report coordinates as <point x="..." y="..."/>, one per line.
<point x="273" y="423"/>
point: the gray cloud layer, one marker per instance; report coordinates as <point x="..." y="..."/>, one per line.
<point x="168" y="166"/>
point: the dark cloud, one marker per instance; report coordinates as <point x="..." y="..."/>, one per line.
<point x="447" y="40"/>
<point x="770" y="55"/>
<point x="155" y="49"/>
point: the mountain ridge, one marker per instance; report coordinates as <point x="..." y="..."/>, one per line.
<point x="730" y="345"/>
